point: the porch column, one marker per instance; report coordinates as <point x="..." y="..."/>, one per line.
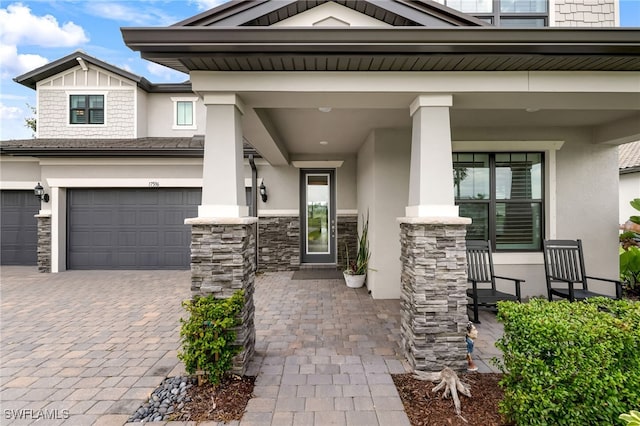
<point x="431" y="173"/>
<point x="432" y="240"/>
<point x="223" y="238"/>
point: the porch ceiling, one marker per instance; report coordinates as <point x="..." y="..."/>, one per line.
<point x="296" y="122"/>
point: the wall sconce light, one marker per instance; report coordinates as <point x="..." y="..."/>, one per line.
<point x="263" y="192"/>
<point x="38" y="191"/>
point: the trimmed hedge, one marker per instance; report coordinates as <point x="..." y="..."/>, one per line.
<point x="570" y="363"/>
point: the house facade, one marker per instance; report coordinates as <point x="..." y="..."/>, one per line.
<point x="629" y="163"/>
<point x="412" y="112"/>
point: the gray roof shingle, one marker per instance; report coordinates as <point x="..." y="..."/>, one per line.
<point x="138" y="147"/>
<point x="629" y="157"/>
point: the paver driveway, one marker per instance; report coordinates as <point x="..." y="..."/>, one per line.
<point x="86" y="345"/>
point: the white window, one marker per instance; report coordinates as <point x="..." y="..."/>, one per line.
<point x="184" y="113"/>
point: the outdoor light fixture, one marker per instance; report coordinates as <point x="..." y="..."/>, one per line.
<point x="38" y="191"/>
<point x="263" y="192"/>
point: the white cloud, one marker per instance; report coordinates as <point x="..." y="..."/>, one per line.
<point x="140" y="15"/>
<point x="14" y="64"/>
<point x="166" y="74"/>
<point x="208" y="4"/>
<point x="11" y="97"/>
<point x="20" y="26"/>
<point x="127" y="67"/>
<point x="10" y="112"/>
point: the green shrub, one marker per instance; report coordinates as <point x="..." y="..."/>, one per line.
<point x="632" y="419"/>
<point x="569" y="363"/>
<point x="208" y="335"/>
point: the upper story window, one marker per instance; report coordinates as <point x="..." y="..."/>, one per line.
<point x="503" y="194"/>
<point x="505" y="13"/>
<point x="86" y="109"/>
<point x="184" y="113"/>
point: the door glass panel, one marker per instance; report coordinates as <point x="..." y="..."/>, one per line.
<point x="318" y="196"/>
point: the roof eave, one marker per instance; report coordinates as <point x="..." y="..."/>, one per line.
<point x="193" y="40"/>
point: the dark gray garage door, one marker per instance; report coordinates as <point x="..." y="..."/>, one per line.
<point x="130" y="228"/>
<point x="19" y="228"/>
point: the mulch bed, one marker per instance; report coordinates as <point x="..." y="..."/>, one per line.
<point x="423" y="407"/>
<point x="222" y="403"/>
<point x="426" y="408"/>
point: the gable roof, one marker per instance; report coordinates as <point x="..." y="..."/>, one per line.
<point x="393" y="12"/>
<point x="629" y="157"/>
<point x="239" y="36"/>
<point x="31" y="78"/>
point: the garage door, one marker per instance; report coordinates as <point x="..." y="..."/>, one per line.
<point x="19" y="228"/>
<point x="130" y="228"/>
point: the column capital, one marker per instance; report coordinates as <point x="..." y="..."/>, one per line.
<point x="439" y="100"/>
<point x="219" y="98"/>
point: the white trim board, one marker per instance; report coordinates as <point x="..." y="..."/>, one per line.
<point x="132" y="182"/>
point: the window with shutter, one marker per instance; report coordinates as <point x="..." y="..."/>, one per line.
<point x="86" y="109"/>
<point x="503" y="194"/>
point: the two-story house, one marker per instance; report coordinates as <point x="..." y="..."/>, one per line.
<point x="403" y="109"/>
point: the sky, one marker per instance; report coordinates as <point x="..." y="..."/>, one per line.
<point x="35" y="32"/>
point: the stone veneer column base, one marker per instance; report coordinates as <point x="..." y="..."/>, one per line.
<point x="434" y="284"/>
<point x="223" y="262"/>
<point x="44" y="242"/>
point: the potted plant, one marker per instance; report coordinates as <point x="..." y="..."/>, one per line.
<point x="356" y="271"/>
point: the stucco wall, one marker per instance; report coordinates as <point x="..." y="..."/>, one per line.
<point x="383" y="188"/>
<point x="585" y="13"/>
<point x="629" y="189"/>
<point x="283" y="185"/>
<point x="19" y="171"/>
<point x="160" y="110"/>
<point x="141" y="124"/>
<point x="586" y="202"/>
<point x="53" y="115"/>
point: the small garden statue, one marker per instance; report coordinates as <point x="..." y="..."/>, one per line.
<point x="472" y="334"/>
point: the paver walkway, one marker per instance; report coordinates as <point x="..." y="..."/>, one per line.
<point x="88" y="347"/>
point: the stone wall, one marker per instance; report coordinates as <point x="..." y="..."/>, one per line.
<point x="223" y="262"/>
<point x="53" y="116"/>
<point x="44" y="243"/>
<point x="347" y="228"/>
<point x="278" y="243"/>
<point x="434" y="301"/>
<point x="585" y="13"/>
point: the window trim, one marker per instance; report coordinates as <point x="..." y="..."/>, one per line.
<point x="492" y="202"/>
<point x="548" y="148"/>
<point x="193" y="100"/>
<point x="69" y="93"/>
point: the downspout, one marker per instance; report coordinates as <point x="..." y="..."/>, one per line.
<point x="253" y="208"/>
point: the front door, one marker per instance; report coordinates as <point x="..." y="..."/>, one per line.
<point x="318" y="216"/>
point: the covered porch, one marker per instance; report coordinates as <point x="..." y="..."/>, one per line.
<point x="389" y="110"/>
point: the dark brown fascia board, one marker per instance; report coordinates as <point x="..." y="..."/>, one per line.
<point x="58" y="152"/>
<point x="181" y="153"/>
<point x="220" y="13"/>
<point x="183" y="41"/>
<point x="248" y="10"/>
<point x="31" y="78"/>
<point x="628" y="170"/>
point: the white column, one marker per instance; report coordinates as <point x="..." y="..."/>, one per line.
<point x="431" y="174"/>
<point x="223" y="170"/>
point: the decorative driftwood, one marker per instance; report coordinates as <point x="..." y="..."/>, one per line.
<point x="450" y="382"/>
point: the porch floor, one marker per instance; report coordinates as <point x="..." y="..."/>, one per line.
<point x="325" y="354"/>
